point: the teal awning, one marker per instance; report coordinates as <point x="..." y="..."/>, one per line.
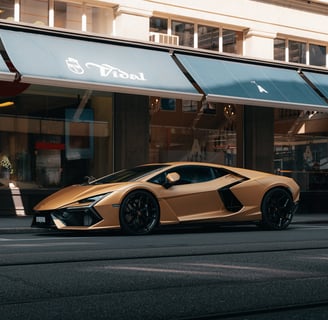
<point x="78" y="63"/>
<point x="251" y="84"/>
<point x="5" y="74"/>
<point x="319" y="80"/>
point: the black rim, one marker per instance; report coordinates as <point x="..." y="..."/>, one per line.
<point x="139" y="213"/>
<point x="280" y="209"/>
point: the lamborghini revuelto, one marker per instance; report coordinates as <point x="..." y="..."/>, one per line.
<point x="140" y="199"/>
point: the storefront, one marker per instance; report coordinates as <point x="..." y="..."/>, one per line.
<point x="85" y="106"/>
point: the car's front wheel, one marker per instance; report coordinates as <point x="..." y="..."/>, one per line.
<point x="139" y="212"/>
<point x="277" y="209"/>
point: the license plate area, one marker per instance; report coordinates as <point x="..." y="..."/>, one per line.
<point x="40" y="219"/>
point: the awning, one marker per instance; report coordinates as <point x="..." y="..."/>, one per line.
<point x="69" y="62"/>
<point x="319" y="80"/>
<point x="251" y="84"/>
<point x="5" y="74"/>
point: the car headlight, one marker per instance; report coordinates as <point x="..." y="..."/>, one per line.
<point x="87" y="202"/>
<point x="93" y="199"/>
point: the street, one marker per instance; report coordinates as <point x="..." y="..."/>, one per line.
<point x="230" y="272"/>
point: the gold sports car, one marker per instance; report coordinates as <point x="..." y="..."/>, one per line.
<point x="138" y="200"/>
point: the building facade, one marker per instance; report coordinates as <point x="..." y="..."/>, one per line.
<point x="153" y="81"/>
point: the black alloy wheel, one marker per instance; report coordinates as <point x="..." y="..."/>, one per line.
<point x="139" y="213"/>
<point x="277" y="209"/>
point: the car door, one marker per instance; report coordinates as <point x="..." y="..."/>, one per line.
<point x="196" y="196"/>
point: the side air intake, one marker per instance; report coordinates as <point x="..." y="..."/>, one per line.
<point x="229" y="200"/>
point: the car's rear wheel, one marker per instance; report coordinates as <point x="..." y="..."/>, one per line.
<point x="277" y="209"/>
<point x="139" y="212"/>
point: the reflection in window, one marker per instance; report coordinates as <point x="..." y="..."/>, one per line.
<point x="34" y="11"/>
<point x="317" y="55"/>
<point x="297" y="51"/>
<point x="185" y="31"/>
<point x="301" y="148"/>
<point x="167" y="104"/>
<point x="280" y="49"/>
<point x="193" y="136"/>
<point x="7" y="9"/>
<point x="68" y="15"/>
<point x="232" y="41"/>
<point x="158" y="25"/>
<point x="189" y="106"/>
<point x="60" y="14"/>
<point x="208" y="38"/>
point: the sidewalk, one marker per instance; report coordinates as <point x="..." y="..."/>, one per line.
<point x="22" y="224"/>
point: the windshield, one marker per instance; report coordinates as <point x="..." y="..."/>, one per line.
<point x="129" y="174"/>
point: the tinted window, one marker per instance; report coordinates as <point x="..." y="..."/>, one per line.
<point x="191" y="174"/>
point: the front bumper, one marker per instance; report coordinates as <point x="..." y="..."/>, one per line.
<point x="65" y="218"/>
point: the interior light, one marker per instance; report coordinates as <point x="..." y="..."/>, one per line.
<point x="6" y="104"/>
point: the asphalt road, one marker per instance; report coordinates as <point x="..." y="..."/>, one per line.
<point x="217" y="273"/>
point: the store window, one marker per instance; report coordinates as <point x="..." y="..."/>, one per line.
<point x="191" y="134"/>
<point x="185" y="32"/>
<point x="159" y="25"/>
<point x="34" y="11"/>
<point x="280" y="49"/>
<point x="53" y="138"/>
<point x="301" y="148"/>
<point x="317" y="55"/>
<point x="208" y="38"/>
<point x="232" y="41"/>
<point x="297" y="51"/>
<point x="7" y="9"/>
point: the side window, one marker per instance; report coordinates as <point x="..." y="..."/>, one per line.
<point x="159" y="179"/>
<point x="219" y="172"/>
<point x="192" y="174"/>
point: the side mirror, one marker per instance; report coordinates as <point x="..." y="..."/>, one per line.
<point x="171" y="179"/>
<point x="88" y="180"/>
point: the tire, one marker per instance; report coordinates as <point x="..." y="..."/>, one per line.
<point x="277" y="209"/>
<point x="139" y="213"/>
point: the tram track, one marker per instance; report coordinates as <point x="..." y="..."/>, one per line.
<point x="273" y="312"/>
<point x="98" y="255"/>
<point x="236" y="275"/>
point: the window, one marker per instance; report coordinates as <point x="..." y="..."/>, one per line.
<point x="208" y="38"/>
<point x="297" y="51"/>
<point x="232" y="41"/>
<point x="205" y="136"/>
<point x="68" y="15"/>
<point x="34" y="11"/>
<point x="301" y="148"/>
<point x="167" y="104"/>
<point x="185" y="31"/>
<point x="158" y="25"/>
<point x="317" y="55"/>
<point x="280" y="49"/>
<point x="7" y="9"/>
<point x="60" y="14"/>
<point x="46" y="148"/>
<point x="191" y="174"/>
<point x="189" y="106"/>
<point x="99" y="19"/>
